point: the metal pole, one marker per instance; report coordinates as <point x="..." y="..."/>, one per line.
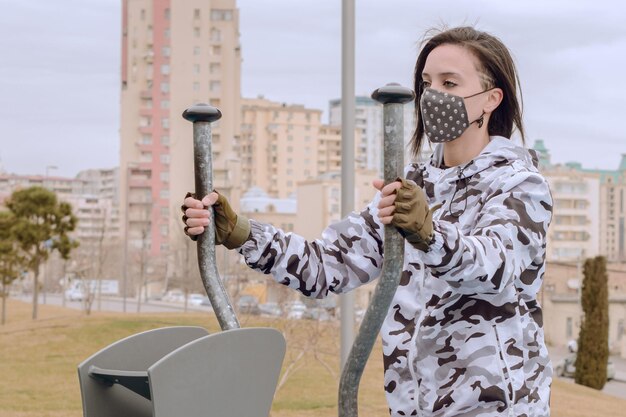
<point x="393" y="96"/>
<point x="202" y="115"/>
<point x="126" y="223"/>
<point x="346" y="301"/>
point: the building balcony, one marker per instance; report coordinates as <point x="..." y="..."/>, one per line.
<point x="145" y="94"/>
<point x="139" y="183"/>
<point x="139" y="200"/>
<point x="147" y="130"/>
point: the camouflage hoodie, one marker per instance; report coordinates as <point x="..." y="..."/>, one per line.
<point x="464" y="333"/>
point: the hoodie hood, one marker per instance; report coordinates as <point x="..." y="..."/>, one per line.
<point x="499" y="151"/>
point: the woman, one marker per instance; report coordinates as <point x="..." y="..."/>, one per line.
<point x="463" y="336"/>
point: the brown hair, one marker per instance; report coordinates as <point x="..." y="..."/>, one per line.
<point x="497" y="70"/>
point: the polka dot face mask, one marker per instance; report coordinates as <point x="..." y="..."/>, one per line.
<point x="444" y="115"/>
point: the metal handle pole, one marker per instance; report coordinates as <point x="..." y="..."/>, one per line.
<point x="393" y="97"/>
<point x="202" y="115"/>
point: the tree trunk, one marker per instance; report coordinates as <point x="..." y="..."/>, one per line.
<point x="35" y="291"/>
<point x="4" y="300"/>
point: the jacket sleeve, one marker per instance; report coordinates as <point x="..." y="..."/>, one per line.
<point x="509" y="236"/>
<point x="349" y="254"/>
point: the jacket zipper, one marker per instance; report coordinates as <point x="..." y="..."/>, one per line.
<point x="411" y="356"/>
<point x="510" y="395"/>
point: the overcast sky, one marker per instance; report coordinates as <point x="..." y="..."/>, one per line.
<point x="60" y="61"/>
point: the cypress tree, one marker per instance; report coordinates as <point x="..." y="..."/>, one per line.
<point x="593" y="340"/>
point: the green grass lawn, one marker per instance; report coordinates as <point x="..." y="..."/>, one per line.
<point x="38" y="361"/>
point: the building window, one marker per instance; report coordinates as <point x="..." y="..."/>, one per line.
<point x="196" y="32"/>
<point x="215" y="86"/>
<point x="196" y="13"/>
<point x="196" y="68"/>
<point x="165" y="50"/>
<point x="164" y="230"/>
<point x="165" y="140"/>
<point x="167" y="14"/>
<point x="196" y="86"/>
<point x="165" y="247"/>
<point x="165" y="69"/>
<point x="216" y="50"/>
<point x="219" y="14"/>
<point x="165" y="176"/>
<point x="165" y="87"/>
<point x="196" y="50"/>
<point x="214" y="67"/>
<point x="165" y="104"/>
<point x="165" y="158"/>
<point x="145" y="121"/>
<point x="143" y="14"/>
<point x="146" y="140"/>
<point x="569" y="328"/>
<point x="216" y="35"/>
<point x="165" y="123"/>
<point x="165" y="212"/>
<point x="166" y="33"/>
<point x="145" y="157"/>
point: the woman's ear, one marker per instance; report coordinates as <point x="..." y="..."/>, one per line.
<point x="493" y="100"/>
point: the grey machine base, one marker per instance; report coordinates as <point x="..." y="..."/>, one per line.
<point x="184" y="372"/>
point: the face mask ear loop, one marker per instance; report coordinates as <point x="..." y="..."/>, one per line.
<point x="481" y="120"/>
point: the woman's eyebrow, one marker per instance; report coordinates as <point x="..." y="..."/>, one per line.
<point x="443" y="74"/>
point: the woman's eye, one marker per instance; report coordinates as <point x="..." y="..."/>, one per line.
<point x="449" y="84"/>
<point x="425" y="84"/>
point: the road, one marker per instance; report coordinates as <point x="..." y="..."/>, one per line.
<point x="116" y="304"/>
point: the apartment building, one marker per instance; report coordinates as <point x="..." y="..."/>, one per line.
<point x="369" y="124"/>
<point x="174" y="54"/>
<point x="91" y="193"/>
<point x="279" y="145"/>
<point x="284" y="144"/>
<point x="589" y="209"/>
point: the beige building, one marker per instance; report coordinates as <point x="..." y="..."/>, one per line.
<point x="174" y="54"/>
<point x="612" y="222"/>
<point x="284" y="144"/>
<point x="575" y="229"/>
<point x="589" y="209"/>
<point x="562" y="311"/>
<point x="91" y="193"/>
<point x="369" y="125"/>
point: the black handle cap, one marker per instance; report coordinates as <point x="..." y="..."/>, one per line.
<point x="202" y="112"/>
<point x="393" y="93"/>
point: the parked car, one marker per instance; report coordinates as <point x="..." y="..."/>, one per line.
<point x="248" y="304"/>
<point x="174" y="296"/>
<point x="295" y="310"/>
<point x="196" y="299"/>
<point x="567" y="367"/>
<point x="317" y="313"/>
<point x="270" y="309"/>
<point x="75" y="294"/>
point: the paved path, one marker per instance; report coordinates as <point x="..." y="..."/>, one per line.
<point x="616" y="387"/>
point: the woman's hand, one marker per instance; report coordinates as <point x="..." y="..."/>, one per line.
<point x="404" y="205"/>
<point x="386" y="206"/>
<point x="196" y="213"/>
<point x="231" y="229"/>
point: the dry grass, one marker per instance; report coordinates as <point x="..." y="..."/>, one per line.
<point x="38" y="362"/>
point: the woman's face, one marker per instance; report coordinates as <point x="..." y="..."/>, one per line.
<point x="453" y="69"/>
